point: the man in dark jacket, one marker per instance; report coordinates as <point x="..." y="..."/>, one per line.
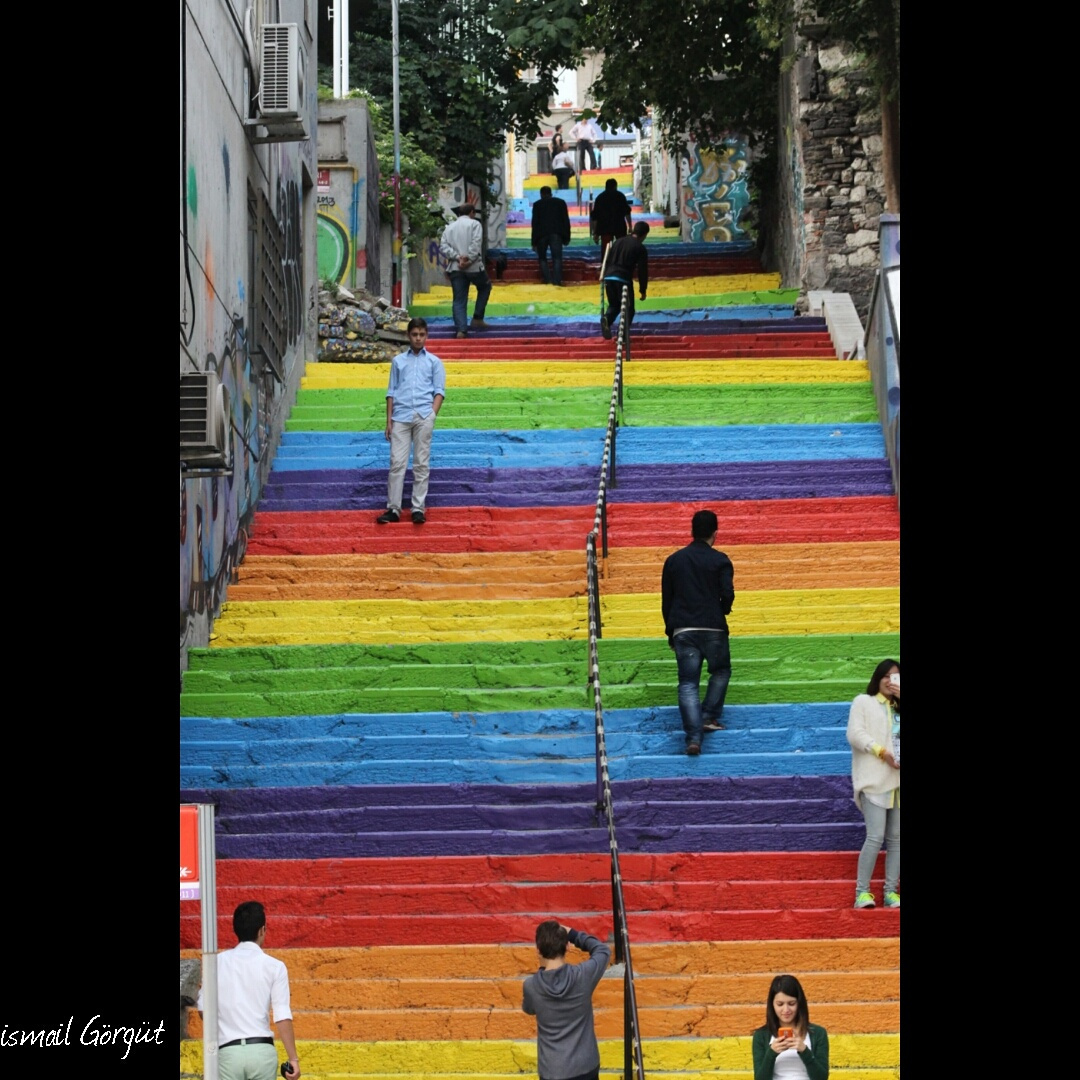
<point x="610" y="217"/>
<point x="559" y="995"/>
<point x="550" y="228"/>
<point x="622" y="258"/>
<point x="697" y="591"/>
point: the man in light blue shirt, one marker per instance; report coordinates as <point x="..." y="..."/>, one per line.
<point x="413" y="400"/>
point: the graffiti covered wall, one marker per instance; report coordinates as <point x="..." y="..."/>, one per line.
<point x="247" y="296"/>
<point x="715" y="193"/>
<point x="347" y="235"/>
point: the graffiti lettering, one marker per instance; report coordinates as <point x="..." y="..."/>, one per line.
<point x="715" y="193"/>
<point x="326" y="200"/>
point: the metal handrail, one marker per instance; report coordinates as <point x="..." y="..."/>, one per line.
<point x="633" y="1065"/>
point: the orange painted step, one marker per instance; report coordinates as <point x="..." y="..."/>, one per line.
<point x="505" y="575"/>
<point x="703" y="1021"/>
<point x="730" y="959"/>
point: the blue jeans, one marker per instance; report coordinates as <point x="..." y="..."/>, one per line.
<point x="555" y="243"/>
<point x="459" y="284"/>
<point x="692" y="648"/>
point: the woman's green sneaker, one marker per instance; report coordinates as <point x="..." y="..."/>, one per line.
<point x="892" y="899"/>
<point x="865" y="899"/>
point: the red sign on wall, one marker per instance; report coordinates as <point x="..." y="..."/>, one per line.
<point x="322" y="181"/>
<point x="189" y="853"/>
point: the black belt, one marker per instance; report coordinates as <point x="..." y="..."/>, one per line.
<point x="248" y="1042"/>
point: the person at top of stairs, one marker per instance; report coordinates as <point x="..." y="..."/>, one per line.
<point x="559" y="995"/>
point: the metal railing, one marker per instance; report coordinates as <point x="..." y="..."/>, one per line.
<point x="633" y="1065"/>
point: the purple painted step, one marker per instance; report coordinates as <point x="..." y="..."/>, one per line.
<point x="704" y="789"/>
<point x="656" y="839"/>
<point x="365" y="489"/>
<point x="714" y="814"/>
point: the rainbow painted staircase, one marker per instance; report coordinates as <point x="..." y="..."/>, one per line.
<point x="394" y="720"/>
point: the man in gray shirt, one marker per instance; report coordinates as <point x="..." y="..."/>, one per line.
<point x="559" y="995"/>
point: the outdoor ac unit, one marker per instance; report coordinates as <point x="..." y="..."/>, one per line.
<point x="281" y="92"/>
<point x="205" y="421"/>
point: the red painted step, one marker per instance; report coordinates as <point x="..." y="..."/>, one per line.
<point x="561" y="528"/>
<point x="350" y="931"/>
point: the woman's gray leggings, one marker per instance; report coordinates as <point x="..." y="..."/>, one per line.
<point x="881" y="826"/>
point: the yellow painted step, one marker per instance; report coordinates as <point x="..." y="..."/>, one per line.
<point x="706" y="285"/>
<point x="315" y="622"/>
<point x="528" y="373"/>
<point x="505" y="1058"/>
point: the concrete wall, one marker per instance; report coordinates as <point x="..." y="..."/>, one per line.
<point x="348" y="196"/>
<point x="230" y="186"/>
<point x="830" y="186"/>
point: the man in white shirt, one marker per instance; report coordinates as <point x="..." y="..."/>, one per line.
<point x="562" y="168"/>
<point x="586" y="134"/>
<point x="462" y="247"/>
<point x="250" y="985"/>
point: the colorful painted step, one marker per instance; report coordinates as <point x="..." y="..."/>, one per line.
<point x="851" y="1057"/>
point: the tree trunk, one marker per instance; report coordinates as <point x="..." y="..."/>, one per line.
<point x="890" y="150"/>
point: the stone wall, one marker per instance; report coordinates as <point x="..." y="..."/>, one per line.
<point x="831" y="189"/>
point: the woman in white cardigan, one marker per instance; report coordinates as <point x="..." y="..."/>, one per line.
<point x="874" y="733"/>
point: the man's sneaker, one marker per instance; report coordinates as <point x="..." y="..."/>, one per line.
<point x="418" y="517"/>
<point x="892" y="899"/>
<point x="693" y="749"/>
<point x="387" y="517"/>
<point x="712" y="725"/>
<point x="479" y="324"/>
<point x="461" y="334"/>
<point x="864" y="900"/>
<point x="605" y="327"/>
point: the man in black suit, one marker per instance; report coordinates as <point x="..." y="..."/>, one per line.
<point x="550" y="228"/>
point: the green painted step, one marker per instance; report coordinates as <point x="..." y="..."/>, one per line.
<point x="636" y="673"/>
<point x="580" y="407"/>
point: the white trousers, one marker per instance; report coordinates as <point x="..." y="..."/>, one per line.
<point x="406" y="435"/>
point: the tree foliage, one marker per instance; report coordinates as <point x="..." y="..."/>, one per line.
<point x="461" y="65"/>
<point x="872" y="26"/>
<point x="704" y="65"/>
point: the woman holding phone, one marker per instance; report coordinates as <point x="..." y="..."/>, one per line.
<point x="873" y="730"/>
<point x="789" y="1047"/>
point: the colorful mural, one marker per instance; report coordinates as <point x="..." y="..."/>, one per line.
<point x="715" y="193"/>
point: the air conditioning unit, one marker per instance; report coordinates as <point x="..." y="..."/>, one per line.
<point x="281" y="91"/>
<point x="205" y="421"/>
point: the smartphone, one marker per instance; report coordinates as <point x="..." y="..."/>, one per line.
<point x="786" y="1033"/>
<point x="894" y="678"/>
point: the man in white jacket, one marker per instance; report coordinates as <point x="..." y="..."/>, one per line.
<point x="462" y="248"/>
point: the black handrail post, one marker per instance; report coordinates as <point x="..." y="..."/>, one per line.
<point x="603" y="529"/>
<point x="628" y="1029"/>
